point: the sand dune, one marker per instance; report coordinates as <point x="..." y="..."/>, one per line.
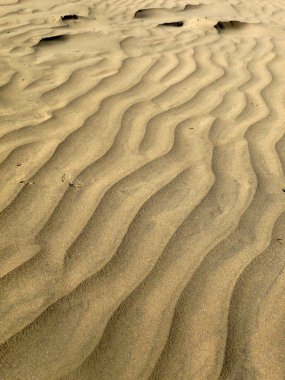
<point x="142" y="190"/>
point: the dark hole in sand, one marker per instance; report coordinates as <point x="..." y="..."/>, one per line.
<point x="69" y="17"/>
<point x="176" y="24"/>
<point x="222" y="25"/>
<point x="219" y="25"/>
<point x="192" y="6"/>
<point x="60" y="37"/>
<point x="140" y="13"/>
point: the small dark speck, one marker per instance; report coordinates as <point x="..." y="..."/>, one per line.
<point x="283" y="190"/>
<point x="18" y="164"/>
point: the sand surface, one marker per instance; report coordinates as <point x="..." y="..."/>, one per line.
<point x="142" y="190"/>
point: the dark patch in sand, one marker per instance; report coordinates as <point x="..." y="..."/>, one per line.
<point x="69" y="17"/>
<point x="60" y="37"/>
<point x="224" y="25"/>
<point x="141" y="13"/>
<point x="192" y="6"/>
<point x="176" y="24"/>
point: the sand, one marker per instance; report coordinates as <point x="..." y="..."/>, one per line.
<point x="142" y="190"/>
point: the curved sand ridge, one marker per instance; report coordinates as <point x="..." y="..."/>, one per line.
<point x="142" y="190"/>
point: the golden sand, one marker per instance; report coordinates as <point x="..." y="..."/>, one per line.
<point x="142" y="190"/>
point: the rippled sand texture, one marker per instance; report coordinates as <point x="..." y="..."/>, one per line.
<point x="142" y="189"/>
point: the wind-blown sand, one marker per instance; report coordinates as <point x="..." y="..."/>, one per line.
<point x="142" y="190"/>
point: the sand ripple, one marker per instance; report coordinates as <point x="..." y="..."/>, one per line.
<point x="142" y="190"/>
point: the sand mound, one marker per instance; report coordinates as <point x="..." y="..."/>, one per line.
<point x="142" y="190"/>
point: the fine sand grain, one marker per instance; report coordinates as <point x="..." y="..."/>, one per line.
<point x="142" y="190"/>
